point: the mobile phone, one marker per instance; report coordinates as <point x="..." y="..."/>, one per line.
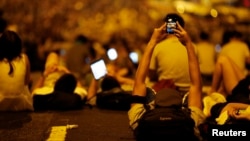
<point x="134" y="57"/>
<point x="112" y="54"/>
<point x="171" y="24"/>
<point x="98" y="69"/>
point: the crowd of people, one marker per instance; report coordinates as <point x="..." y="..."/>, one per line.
<point x="169" y="60"/>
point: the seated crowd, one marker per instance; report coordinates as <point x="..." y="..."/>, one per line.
<point x="59" y="89"/>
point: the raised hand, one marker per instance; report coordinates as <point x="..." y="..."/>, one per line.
<point x="182" y="35"/>
<point x="159" y="34"/>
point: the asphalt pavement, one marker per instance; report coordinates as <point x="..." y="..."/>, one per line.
<point x="87" y="124"/>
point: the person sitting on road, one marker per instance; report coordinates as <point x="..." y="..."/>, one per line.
<point x="195" y="92"/>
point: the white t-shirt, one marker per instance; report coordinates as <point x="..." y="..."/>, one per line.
<point x="170" y="60"/>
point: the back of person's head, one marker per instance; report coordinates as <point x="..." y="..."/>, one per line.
<point x="66" y="83"/>
<point x="11" y="45"/>
<point x="204" y="35"/>
<point x="176" y="17"/>
<point x="226" y="37"/>
<point x="230" y="34"/>
<point x="236" y="34"/>
<point x="81" y="39"/>
<point x="109" y="82"/>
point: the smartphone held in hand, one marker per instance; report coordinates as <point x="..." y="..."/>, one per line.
<point x="171" y="24"/>
<point x="98" y="69"/>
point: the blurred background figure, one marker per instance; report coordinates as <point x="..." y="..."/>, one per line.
<point x="234" y="47"/>
<point x="79" y="56"/>
<point x="36" y="53"/>
<point x="117" y="51"/>
<point x="207" y="57"/>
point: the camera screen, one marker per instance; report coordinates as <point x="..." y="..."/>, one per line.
<point x="171" y="24"/>
<point x="98" y="69"/>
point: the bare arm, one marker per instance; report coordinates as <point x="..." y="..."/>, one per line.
<point x="92" y="90"/>
<point x="141" y="73"/>
<point x="42" y="78"/>
<point x="38" y="84"/>
<point x="233" y="108"/>
<point x="195" y="91"/>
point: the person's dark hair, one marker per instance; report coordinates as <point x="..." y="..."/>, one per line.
<point x="176" y="17"/>
<point x="10" y="47"/>
<point x="66" y="83"/>
<point x="229" y="34"/>
<point x="109" y="83"/>
<point x="225" y="37"/>
<point x="236" y="34"/>
<point x="81" y="39"/>
<point x="204" y="35"/>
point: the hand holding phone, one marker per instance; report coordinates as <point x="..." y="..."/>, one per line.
<point x="171" y="24"/>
